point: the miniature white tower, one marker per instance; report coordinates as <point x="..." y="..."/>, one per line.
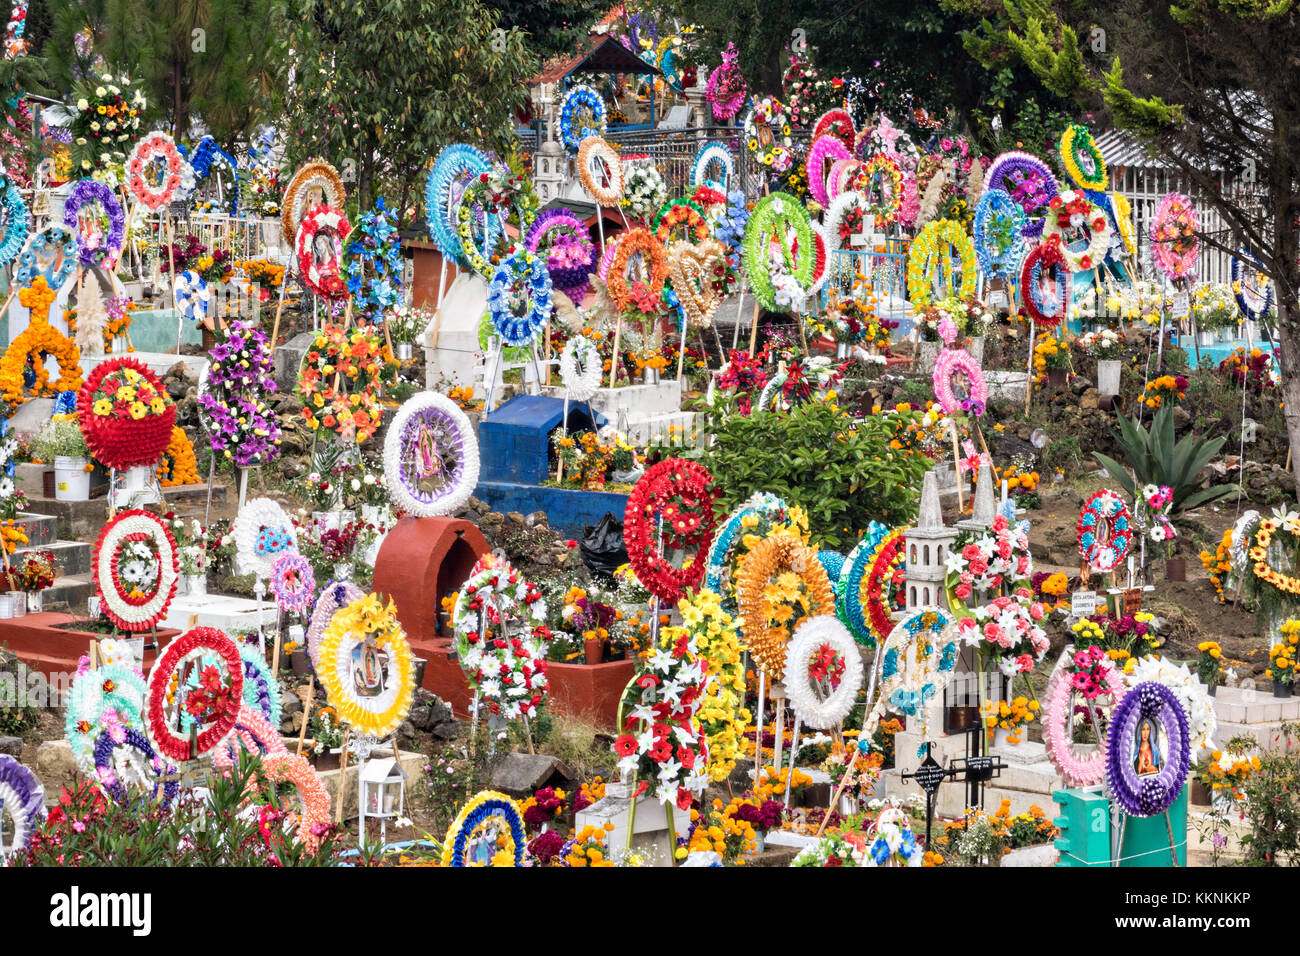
<point x="927" y="547"/>
<point x="548" y="170"/>
<point x="985" y="507"/>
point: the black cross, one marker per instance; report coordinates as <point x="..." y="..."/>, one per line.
<point x="975" y="771"/>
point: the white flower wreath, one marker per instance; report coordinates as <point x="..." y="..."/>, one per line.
<point x="582" y="385"/>
<point x="464" y="472"/>
<point x="254" y="556"/>
<point x="808" y="637"/>
<point x="111" y="559"/>
<point x="1191" y="693"/>
<point x="1094" y="221"/>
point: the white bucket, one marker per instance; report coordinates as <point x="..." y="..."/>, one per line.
<point x="71" y="480"/>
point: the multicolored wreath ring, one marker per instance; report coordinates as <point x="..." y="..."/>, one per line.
<point x="882" y="168"/>
<point x="936" y="247"/>
<point x="653" y="254"/>
<point x="1141" y="776"/>
<point x="683" y="213"/>
<point x="319" y="248"/>
<point x="152" y="147"/>
<point x="1028" y="181"/>
<point x="695" y="271"/>
<point x="774" y="218"/>
<point x="767" y="135"/>
<point x="1241" y="285"/>
<point x="18" y="224"/>
<point x="1045" y="299"/>
<point x="562" y="239"/>
<point x="127" y="609"/>
<point x="135" y="746"/>
<point x="1175" y="247"/>
<point x="252" y="734"/>
<point x="1058" y="713"/>
<point x="773" y="556"/>
<point x="1078" y="148"/>
<point x="371" y="698"/>
<point x="713" y="152"/>
<point x="581" y="368"/>
<point x="722" y="552"/>
<point x="123" y="442"/>
<point x="205" y="642"/>
<point x="671" y="507"/>
<point x="870" y="569"/>
<point x="808" y="643"/>
<point x="908" y="686"/>
<point x="431" y="460"/>
<point x="1075" y="210"/>
<point x="93" y="248"/>
<point x="191" y="296"/>
<point x="1105" y="551"/>
<point x="332" y="597"/>
<point x="479" y="810"/>
<point x="605" y="181"/>
<point x="112" y="693"/>
<point x="519" y="297"/>
<point x="262" y="530"/>
<point x="452" y="171"/>
<point x="953" y="361"/>
<point x="825" y="149"/>
<point x="999" y="233"/>
<point x="261" y="689"/>
<point x="313" y="175"/>
<point x="836" y="122"/>
<point x="22" y="796"/>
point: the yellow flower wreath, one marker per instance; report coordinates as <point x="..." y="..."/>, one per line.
<point x="367" y="618"/>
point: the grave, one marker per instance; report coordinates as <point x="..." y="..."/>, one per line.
<point x="1029" y="779"/>
<point x="227" y="612"/>
<point x="1258" y="713"/>
<point x="515" y="439"/>
<point x="651" y="836"/>
<point x="646" y="411"/>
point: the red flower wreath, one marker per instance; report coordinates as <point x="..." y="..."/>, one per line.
<point x="127" y="610"/>
<point x="1043" y="258"/>
<point x="883" y="572"/>
<point x="681" y="493"/>
<point x="323" y="275"/>
<point x="214" y="642"/>
<point x="117" y="440"/>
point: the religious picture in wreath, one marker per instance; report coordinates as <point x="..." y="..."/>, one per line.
<point x="369" y="665"/>
<point x="1147" y="758"/>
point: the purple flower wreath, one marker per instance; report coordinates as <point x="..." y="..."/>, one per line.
<point x="93" y="248"/>
<point x="119" y="736"/>
<point x="1145" y="794"/>
<point x="292" y="582"/>
<point x="1027" y="180"/>
<point x="237" y="379"/>
<point x="570" y="254"/>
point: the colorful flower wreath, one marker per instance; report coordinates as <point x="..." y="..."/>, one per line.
<point x="726" y="90"/>
<point x="455" y="166"/>
<point x="344" y="399"/>
<point x="1124" y="220"/>
<point x="1242" y="261"/>
<point x="262" y="530"/>
<point x="29" y="350"/>
<point x="206" y="156"/>
<point x="873" y="570"/>
<point x="332" y="597"/>
<point x="519" y="298"/>
<point x="1175" y="247"/>
<point x="1082" y="159"/>
<point x="843" y="174"/>
<point x="574" y="127"/>
<point x="367" y="626"/>
<point x="1261" y="539"/>
<point x="655" y="256"/>
<point x="506" y="669"/>
<point x="684" y="213"/>
<point x="22" y="796"/>
<point x="431" y="460"/>
<point x="18" y="224"/>
<point x="125" y="414"/>
<point x="1027" y="180"/>
<point x="825" y="148"/>
<point x="322" y="269"/>
<point x="937" y="245"/>
<point x="1074" y="210"/>
<point x="1139" y="794"/>
<point x="1045" y="299"/>
<point x="373" y="251"/>
<point x="839" y="123"/>
<point x="1089" y="672"/>
<point x="233" y="390"/>
<point x="191" y="296"/>
<point x="581" y="368"/>
<point x="99" y="698"/>
<point x="178" y="465"/>
<point x="141" y="602"/>
<point x="214" y="704"/>
<point x="1107" y="552"/>
<point x="644" y="191"/>
<point x="564" y="241"/>
<point x="607" y="186"/>
<point x="484" y="808"/>
<point x="314" y="175"/>
<point x="823" y="672"/>
<point x="148" y="767"/>
<point x="293" y="583"/>
<point x="52" y="254"/>
<point x="774" y="218"/>
<point x="252" y="734"/>
<point x="777" y="555"/>
<point x="777" y="151"/>
<point x="999" y="234"/>
<point x="93" y="245"/>
<point x="153" y="147"/>
<point x="671" y="507"/>
<point x="488" y="202"/>
<point x="315" y="799"/>
<point x="261" y="688"/>
<point x="883" y="168"/>
<point x="918" y="659"/>
<point x="723" y="552"/>
<point x="713" y="152"/>
<point x="950" y="362"/>
<point x="699" y="274"/>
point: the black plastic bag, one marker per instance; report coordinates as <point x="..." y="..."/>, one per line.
<point x="602" y="546"/>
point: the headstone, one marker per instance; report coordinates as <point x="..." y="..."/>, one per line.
<point x="524" y="774"/>
<point x="651" y="836"/>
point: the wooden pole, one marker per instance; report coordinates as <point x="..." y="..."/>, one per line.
<point x="306" y="714"/>
<point x="343" y="775"/>
<point x="613" y="365"/>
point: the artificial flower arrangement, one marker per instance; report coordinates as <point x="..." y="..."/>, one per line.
<point x="952" y="318"/>
<point x="722" y="713"/>
<point x="726" y="89"/>
<point x="241" y="426"/>
<point x="340" y="381"/>
<point x="1103" y="345"/>
<point x="125" y="414"/>
<point x="1214" y="306"/>
<point x="32" y="345"/>
<point x="105" y="121"/>
<point x="1283" y="654"/>
<point x="744" y="377"/>
<point x="374" y="263"/>
<point x="853" y="319"/>
<point x="1009" y="631"/>
<point x="36" y="571"/>
<point x="644" y="191"/>
<point x="1209" y="665"/>
<point x="1152" y="513"/>
<point x="994" y="563"/>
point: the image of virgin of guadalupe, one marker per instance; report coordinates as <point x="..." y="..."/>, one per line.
<point x="322" y="249"/>
<point x="368" y="669"/>
<point x="1146" y="748"/>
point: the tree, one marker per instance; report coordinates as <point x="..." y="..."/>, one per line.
<point x="1210" y="86"/>
<point x="380" y="86"/>
<point x="553" y="26"/>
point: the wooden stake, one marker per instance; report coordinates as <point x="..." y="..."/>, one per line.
<point x="613" y="365"/>
<point x="306" y="714"/>
<point x="343" y="775"/>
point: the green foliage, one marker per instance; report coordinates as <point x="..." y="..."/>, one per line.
<point x="552" y="26"/>
<point x="1272" y="807"/>
<point x="844" y="475"/>
<point x="1156" y="460"/>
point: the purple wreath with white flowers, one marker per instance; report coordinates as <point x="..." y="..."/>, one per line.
<point x="240" y="425"/>
<point x="119" y="737"/>
<point x="292" y="582"/>
<point x="570" y="254"/>
<point x="1147" y="794"/>
<point x="23" y="797"/>
<point x="94" y="248"/>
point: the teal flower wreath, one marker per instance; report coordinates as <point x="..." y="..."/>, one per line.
<point x="18" y="224"/>
<point x="455" y="166"/>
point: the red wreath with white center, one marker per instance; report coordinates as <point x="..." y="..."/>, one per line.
<point x="154" y="146"/>
<point x="195" y="642"/>
<point x="119" y="441"/>
<point x="127" y="610"/>
<point x="323" y="273"/>
<point x="681" y="494"/>
<point x="1044" y="259"/>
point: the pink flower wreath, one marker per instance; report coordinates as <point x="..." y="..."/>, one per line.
<point x="1077" y="771"/>
<point x="959" y="360"/>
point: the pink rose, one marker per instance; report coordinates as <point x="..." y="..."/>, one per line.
<point x="1000" y="523"/>
<point x="979" y="566"/>
<point x="970" y="552"/>
<point x="1036" y="611"/>
<point x="1004" y="548"/>
<point x="963" y="591"/>
<point x="991" y="631"/>
<point x="1022" y="565"/>
<point x="1024" y="663"/>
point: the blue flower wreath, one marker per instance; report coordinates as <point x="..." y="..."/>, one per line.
<point x="576" y="99"/>
<point x="1239" y="262"/>
<point x="833" y="563"/>
<point x="208" y="152"/>
<point x="374" y="260"/>
<point x="730" y="229"/>
<point x="710" y="153"/>
<point x="45" y="247"/>
<point x="722" y="552"/>
<point x="18" y="224"/>
<point x="474" y="814"/>
<point x="997" y="218"/>
<point x="458" y="162"/>
<point x="520" y="266"/>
